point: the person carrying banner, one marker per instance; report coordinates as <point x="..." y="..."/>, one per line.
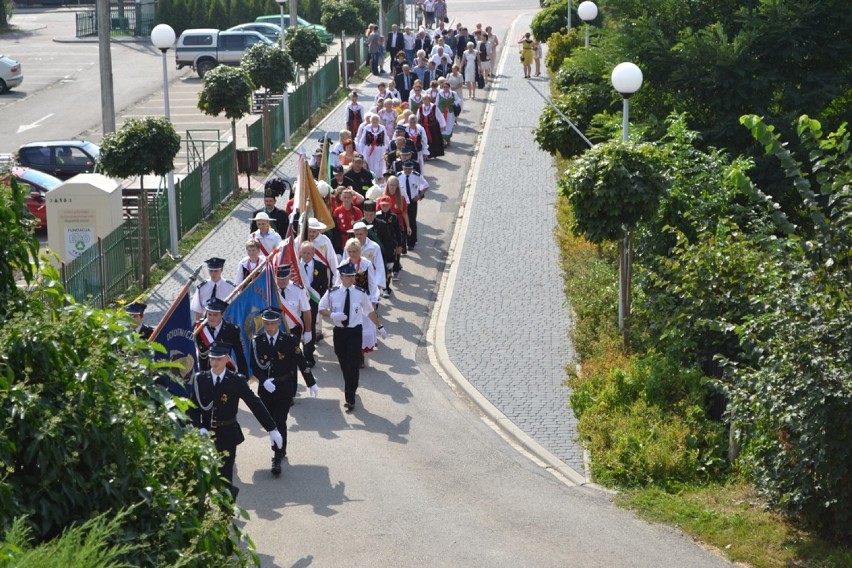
<point x="213" y="328"/>
<point x="315" y="277"/>
<point x="216" y="395"/>
<point x="265" y="235"/>
<point x="274" y="359"/>
<point x="216" y="287"/>
<point x="348" y="306"/>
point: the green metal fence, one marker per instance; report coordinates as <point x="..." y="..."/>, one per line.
<point x="103" y="271"/>
<point x="254" y="136"/>
<point x="222" y="174"/>
<point x="188" y="197"/>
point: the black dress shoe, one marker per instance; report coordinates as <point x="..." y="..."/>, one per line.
<point x="276" y="465"/>
<point x="319" y="337"/>
<point x="348" y="406"/>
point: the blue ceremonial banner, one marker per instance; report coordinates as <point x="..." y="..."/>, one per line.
<point x="176" y="336"/>
<point x="245" y="311"/>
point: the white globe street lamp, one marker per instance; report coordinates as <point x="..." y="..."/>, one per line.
<point x="163" y="38"/>
<point x="285" y="100"/>
<point x="626" y="79"/>
<point x="587" y="11"/>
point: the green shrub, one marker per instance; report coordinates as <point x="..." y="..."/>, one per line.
<point x="552" y="19"/>
<point x="84" y="431"/>
<point x="559" y="48"/>
<point x="644" y="423"/>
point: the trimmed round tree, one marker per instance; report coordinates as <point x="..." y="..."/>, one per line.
<point x="341" y="17"/>
<point x="305" y="46"/>
<point x="142" y="146"/>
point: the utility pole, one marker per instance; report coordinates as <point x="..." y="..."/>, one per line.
<point x="105" y="61"/>
<point x="294" y="13"/>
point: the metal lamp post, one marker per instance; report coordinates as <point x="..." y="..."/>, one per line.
<point x="587" y="11"/>
<point x="626" y="79"/>
<point x="163" y="37"/>
<point x="285" y="100"/>
<point x="569" y="16"/>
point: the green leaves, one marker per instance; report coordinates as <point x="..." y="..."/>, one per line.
<point x="18" y="246"/>
<point x="142" y="146"/>
<point x="226" y="89"/>
<point x="612" y="186"/>
<point x="341" y="16"/>
<point x="305" y="46"/>
<point x="270" y="67"/>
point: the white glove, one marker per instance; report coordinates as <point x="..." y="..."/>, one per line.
<point x="203" y="431"/>
<point x="269" y="384"/>
<point x="276" y="438"/>
<point x="307" y="336"/>
<point x="382" y="332"/>
<point x="338" y="317"/>
<point x="314" y="391"/>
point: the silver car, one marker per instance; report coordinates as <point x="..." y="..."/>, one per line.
<point x="271" y="31"/>
<point x="11" y="74"/>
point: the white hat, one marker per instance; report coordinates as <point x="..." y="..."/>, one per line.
<point x="374" y="192"/>
<point x="313" y="223"/>
<point x="359" y="225"/>
<point x="323" y="188"/>
<point x="262" y="216"/>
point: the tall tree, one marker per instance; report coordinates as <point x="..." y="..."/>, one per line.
<point x="342" y="17"/>
<point x="305" y="47"/>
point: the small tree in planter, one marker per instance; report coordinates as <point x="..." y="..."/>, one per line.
<point x="305" y="46"/>
<point x="341" y="17"/>
<point x="270" y="68"/>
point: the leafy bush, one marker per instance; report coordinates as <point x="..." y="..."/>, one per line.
<point x="559" y="48"/>
<point x="794" y="398"/>
<point x="19" y="246"/>
<point x="552" y="19"/>
<point x="84" y="431"/>
<point x="644" y="423"/>
<point x="614" y="184"/>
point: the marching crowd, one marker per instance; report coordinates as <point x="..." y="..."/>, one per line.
<point x="379" y="165"/>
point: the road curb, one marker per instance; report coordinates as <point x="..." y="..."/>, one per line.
<point x="437" y="348"/>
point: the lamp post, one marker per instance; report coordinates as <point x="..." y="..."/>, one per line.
<point x="587" y="11"/>
<point x="285" y="99"/>
<point x="626" y="79"/>
<point x="569" y="16"/>
<point x="163" y="37"/>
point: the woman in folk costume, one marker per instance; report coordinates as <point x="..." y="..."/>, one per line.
<point x="365" y="278"/>
<point x="417" y="135"/>
<point x="388" y="116"/>
<point x="447" y="102"/>
<point x="354" y="114"/>
<point x="415" y="99"/>
<point x="433" y="122"/>
<point x="393" y="92"/>
<point x="373" y="145"/>
<point x="250" y="262"/>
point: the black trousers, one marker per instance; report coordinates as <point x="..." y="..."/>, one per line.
<point x="311" y="347"/>
<point x="347" y="347"/>
<point x="229" y="456"/>
<point x="278" y="404"/>
<point x="412" y="222"/>
<point x="295" y="331"/>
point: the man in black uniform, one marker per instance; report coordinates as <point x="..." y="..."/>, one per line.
<point x="214" y="328"/>
<point x="315" y="277"/>
<point x="278" y="217"/>
<point x="347" y="306"/>
<point x="361" y="177"/>
<point x="136" y="310"/>
<point x="216" y="394"/>
<point x="274" y="358"/>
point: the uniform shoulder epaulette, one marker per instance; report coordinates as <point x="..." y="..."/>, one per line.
<point x="362" y="289"/>
<point x="200" y="284"/>
<point x="229" y="282"/>
<point x="297" y="285"/>
<point x="333" y="288"/>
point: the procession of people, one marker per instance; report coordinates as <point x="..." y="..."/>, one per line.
<point x="339" y="272"/>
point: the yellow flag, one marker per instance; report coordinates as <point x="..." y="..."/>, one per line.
<point x="317" y="203"/>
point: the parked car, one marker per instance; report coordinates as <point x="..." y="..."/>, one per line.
<point x="204" y="48"/>
<point x="276" y="19"/>
<point x="11" y="74"/>
<point x="61" y="158"/>
<point x="36" y="184"/>
<point x="272" y="32"/>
